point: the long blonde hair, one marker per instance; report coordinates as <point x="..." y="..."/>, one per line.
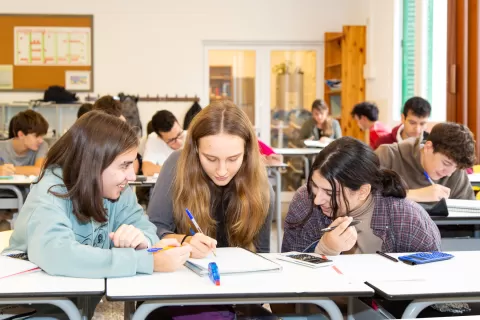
<point x="249" y="195"/>
<point x="327" y="127"/>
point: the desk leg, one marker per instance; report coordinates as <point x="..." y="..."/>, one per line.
<point x="65" y="304"/>
<point x="417" y="306"/>
<point x="17" y="192"/>
<point x="129" y="310"/>
<point x="278" y="207"/>
<point x="325" y="303"/>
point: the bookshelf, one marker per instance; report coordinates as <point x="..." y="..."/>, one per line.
<point x="345" y="56"/>
<point x="221" y="83"/>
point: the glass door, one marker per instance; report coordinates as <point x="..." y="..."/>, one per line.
<point x="232" y="76"/>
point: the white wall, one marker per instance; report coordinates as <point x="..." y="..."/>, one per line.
<point x="383" y="70"/>
<point x="155" y="46"/>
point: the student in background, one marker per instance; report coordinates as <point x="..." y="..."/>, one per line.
<point x="321" y="126"/>
<point x="416" y="112"/>
<point x="220" y="178"/>
<point x="337" y="191"/>
<point x="25" y="152"/>
<point x="435" y="169"/>
<point x="366" y="116"/>
<point x="110" y="106"/>
<point x="113" y="107"/>
<point x="81" y="218"/>
<point x="84" y="108"/>
<point x="167" y="137"/>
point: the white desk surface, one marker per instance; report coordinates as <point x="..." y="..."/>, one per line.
<point x="18" y="180"/>
<point x="475" y="177"/>
<point x="297" y="151"/>
<point x="40" y="284"/>
<point x="292" y="281"/>
<point x="457" y="277"/>
<point x="373" y="267"/>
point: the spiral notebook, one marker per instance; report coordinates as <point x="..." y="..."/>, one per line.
<point x="463" y="208"/>
<point x="233" y="261"/>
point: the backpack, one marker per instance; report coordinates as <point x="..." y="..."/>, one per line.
<point x="130" y="112"/>
<point x="58" y="94"/>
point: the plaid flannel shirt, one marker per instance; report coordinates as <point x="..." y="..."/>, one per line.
<point x="403" y="225"/>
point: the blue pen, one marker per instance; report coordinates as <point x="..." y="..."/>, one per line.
<point x="195" y="224"/>
<point x="158" y="249"/>
<point x="428" y="177"/>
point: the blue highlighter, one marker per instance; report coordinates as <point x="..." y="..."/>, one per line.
<point x="213" y="273"/>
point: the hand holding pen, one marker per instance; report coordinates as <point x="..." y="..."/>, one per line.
<point x="168" y="255"/>
<point x="6" y="169"/>
<point x="201" y="244"/>
<point x="432" y="193"/>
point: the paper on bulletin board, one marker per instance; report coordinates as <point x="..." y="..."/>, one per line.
<point x="77" y="80"/>
<point x="6" y="77"/>
<point x="52" y="46"/>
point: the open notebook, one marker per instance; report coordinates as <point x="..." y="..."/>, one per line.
<point x="233" y="260"/>
<point x="12" y="266"/>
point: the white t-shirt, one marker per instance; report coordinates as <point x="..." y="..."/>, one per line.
<point x="156" y="150"/>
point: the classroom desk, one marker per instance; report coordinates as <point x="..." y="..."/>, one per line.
<point x="14" y="184"/>
<point x="292" y="285"/>
<point x="453" y="280"/>
<point x="474" y="179"/>
<point x="41" y="288"/>
<point x="461" y="218"/>
<point x="299" y="152"/>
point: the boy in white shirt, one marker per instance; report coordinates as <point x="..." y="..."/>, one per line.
<point x="167" y="136"/>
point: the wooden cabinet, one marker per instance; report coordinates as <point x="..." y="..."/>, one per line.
<point x="345" y="57"/>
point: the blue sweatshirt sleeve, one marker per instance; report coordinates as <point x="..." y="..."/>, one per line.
<point x="131" y="213"/>
<point x="52" y="246"/>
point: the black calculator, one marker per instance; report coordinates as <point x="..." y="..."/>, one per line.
<point x="425" y="257"/>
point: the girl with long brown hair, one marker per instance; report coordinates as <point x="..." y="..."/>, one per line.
<point x="81" y="218"/>
<point x="219" y="176"/>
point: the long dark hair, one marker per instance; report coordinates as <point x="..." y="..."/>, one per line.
<point x="351" y="163"/>
<point x="83" y="153"/>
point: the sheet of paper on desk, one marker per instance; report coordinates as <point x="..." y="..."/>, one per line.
<point x="236" y="260"/>
<point x="10" y="267"/>
<point x="315" y="144"/>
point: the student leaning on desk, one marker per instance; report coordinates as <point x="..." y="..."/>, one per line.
<point x="435" y="169"/>
<point x="81" y="219"/>
<point x="346" y="183"/>
<point x="219" y="176"/>
<point x="24" y="153"/>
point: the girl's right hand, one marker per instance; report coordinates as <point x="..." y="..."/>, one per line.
<point x="342" y="238"/>
<point x="201" y="245"/>
<point x="171" y="259"/>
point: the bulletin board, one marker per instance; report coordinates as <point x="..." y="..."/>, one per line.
<point x="38" y="51"/>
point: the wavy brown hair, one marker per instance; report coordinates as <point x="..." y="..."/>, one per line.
<point x="327" y="127"/>
<point x="83" y="153"/>
<point x="248" y="192"/>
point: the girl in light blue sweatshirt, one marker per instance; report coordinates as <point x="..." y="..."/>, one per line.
<point x="81" y="218"/>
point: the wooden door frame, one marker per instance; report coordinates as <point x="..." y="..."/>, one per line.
<point x="463" y="66"/>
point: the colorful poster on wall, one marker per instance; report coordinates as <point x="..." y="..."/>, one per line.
<point x="77" y="80"/>
<point x="52" y="46"/>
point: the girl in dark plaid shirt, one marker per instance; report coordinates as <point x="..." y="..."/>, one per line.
<point x="346" y="183"/>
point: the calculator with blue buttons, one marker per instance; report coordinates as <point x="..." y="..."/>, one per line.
<point x="425" y="257"/>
